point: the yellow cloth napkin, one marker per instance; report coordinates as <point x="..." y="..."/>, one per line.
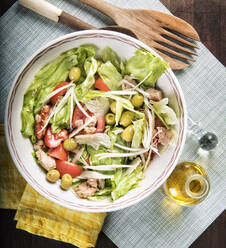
<point x="40" y="216"/>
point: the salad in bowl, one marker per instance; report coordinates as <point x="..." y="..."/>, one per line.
<point x="96" y="121"/>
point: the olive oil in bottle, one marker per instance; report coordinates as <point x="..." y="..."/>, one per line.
<point x="188" y="184"/>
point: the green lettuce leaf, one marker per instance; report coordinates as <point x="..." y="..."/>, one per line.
<point x="62" y="118"/>
<point x="106" y="191"/>
<point x="107" y="54"/>
<point x="127" y="183"/>
<point x="115" y="138"/>
<point x="96" y="161"/>
<point x="91" y="69"/>
<point x="110" y="75"/>
<point x="138" y="133"/>
<point x="118" y="112"/>
<point x="143" y="63"/>
<point x="45" y="80"/>
<point x="165" y="113"/>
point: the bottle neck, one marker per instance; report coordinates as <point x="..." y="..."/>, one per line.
<point x="196" y="186"/>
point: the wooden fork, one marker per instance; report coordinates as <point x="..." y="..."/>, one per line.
<point x="156" y="29"/>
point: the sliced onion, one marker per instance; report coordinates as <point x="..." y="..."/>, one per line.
<point x="128" y="148"/>
<point x="78" y="154"/>
<point x="150" y="127"/>
<point x="94" y="175"/>
<point x="123" y="155"/>
<point x="62" y="102"/>
<point x="83" y="161"/>
<point x="53" y="93"/>
<point x="122" y="92"/>
<point x="145" y="136"/>
<point x="82" y="127"/>
<point x="108" y="167"/>
<point x="142" y="159"/>
<point x="137" y="89"/>
<point x="71" y="108"/>
<point x="143" y="80"/>
<point x="135" y="163"/>
<point x="148" y="159"/>
<point x="80" y="107"/>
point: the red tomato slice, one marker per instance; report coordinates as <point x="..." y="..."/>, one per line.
<point x="53" y="140"/>
<point x="55" y="98"/>
<point x="101" y="85"/>
<point x="100" y="124"/>
<point x="67" y="167"/>
<point x="58" y="152"/>
<point x="77" y="115"/>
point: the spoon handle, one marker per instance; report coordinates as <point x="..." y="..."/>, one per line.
<point x="110" y="10"/>
<point x="53" y="13"/>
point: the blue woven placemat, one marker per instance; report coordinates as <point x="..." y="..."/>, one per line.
<point x="154" y="222"/>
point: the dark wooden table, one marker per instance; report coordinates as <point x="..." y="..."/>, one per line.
<point x="209" y="19"/>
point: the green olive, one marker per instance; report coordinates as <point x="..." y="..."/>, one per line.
<point x="74" y="74"/>
<point x="137" y="100"/>
<point x="126" y="118"/>
<point x="66" y="181"/>
<point x="110" y="119"/>
<point x="53" y="175"/>
<point x="70" y="144"/>
<point x="113" y="107"/>
<point x="128" y="133"/>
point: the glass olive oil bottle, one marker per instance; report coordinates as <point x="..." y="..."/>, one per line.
<point x="188" y="184"/>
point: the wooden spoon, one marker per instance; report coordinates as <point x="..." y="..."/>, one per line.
<point x="152" y="27"/>
<point x="53" y="13"/>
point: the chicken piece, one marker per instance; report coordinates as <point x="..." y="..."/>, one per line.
<point x="155" y="95"/>
<point x="88" y="188"/>
<point x="45" y="160"/>
<point x="164" y="136"/>
<point x="84" y="191"/>
<point x="92" y="182"/>
<point x="126" y="86"/>
<point x="40" y="120"/>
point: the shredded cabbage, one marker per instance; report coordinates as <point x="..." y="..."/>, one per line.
<point x="99" y="106"/>
<point x="94" y="140"/>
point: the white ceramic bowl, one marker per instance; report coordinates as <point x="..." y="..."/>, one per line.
<point x="21" y="148"/>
